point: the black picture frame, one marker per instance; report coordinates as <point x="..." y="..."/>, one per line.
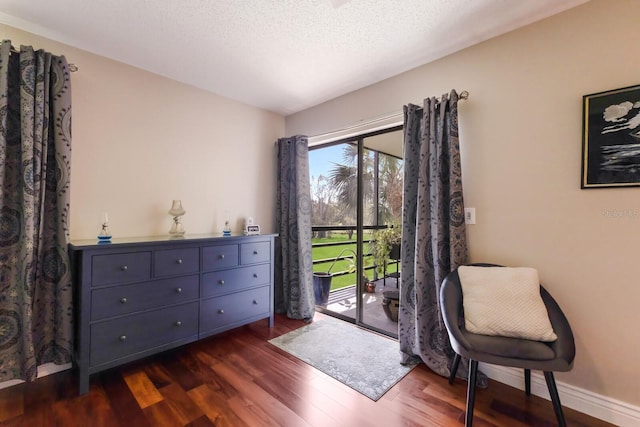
<point x="611" y="138"/>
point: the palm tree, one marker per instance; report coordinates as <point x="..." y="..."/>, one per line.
<point x="344" y="178"/>
<point x="390" y="189"/>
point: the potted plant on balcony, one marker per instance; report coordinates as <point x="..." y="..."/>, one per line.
<point x="385" y="245"/>
<point x="322" y="279"/>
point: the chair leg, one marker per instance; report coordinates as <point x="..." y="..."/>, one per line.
<point x="555" y="398"/>
<point x="454" y="368"/>
<point x="471" y="392"/>
<point x="527" y="382"/>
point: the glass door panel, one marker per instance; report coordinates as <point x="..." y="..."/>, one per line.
<point x="333" y="176"/>
<point x="356" y="189"/>
<point x="382" y="221"/>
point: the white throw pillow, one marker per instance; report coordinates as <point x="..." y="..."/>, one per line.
<point x="504" y="301"/>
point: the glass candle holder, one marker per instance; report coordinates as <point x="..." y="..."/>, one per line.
<point x="105" y="234"/>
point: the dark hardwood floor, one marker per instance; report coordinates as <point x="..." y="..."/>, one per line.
<point x="239" y="379"/>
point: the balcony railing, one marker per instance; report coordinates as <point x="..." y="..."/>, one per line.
<point x="369" y="267"/>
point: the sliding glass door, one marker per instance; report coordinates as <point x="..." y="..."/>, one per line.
<point x="356" y="190"/>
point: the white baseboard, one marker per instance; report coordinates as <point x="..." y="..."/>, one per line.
<point x="43" y="371"/>
<point x="605" y="408"/>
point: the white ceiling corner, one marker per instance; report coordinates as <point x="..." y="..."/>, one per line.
<point x="280" y="55"/>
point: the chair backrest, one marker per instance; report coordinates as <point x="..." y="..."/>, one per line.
<point x="451" y="304"/>
<point x="452" y="310"/>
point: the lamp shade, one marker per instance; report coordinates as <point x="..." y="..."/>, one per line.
<point x="176" y="208"/>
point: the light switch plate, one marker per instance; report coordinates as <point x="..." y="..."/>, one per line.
<point x="469" y="215"/>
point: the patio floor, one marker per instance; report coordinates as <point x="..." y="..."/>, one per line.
<point x="343" y="301"/>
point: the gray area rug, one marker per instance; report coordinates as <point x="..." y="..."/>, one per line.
<point x="367" y="362"/>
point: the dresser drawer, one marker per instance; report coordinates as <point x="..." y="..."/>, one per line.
<point x="176" y="261"/>
<point x="125" y="299"/>
<point x="225" y="281"/>
<point x="251" y="253"/>
<point x="128" y="335"/>
<point x="228" y="309"/>
<point x="120" y="268"/>
<point x="220" y="256"/>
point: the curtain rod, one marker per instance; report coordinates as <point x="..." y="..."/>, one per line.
<point x="389" y="120"/>
<point x="72" y="67"/>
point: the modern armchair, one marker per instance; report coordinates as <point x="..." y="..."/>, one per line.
<point x="515" y="352"/>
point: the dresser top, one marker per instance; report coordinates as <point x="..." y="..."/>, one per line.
<point x="187" y="238"/>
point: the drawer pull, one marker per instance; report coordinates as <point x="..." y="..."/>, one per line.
<point x="221" y="282"/>
<point x="124" y="268"/>
<point x="221" y="256"/>
<point x="221" y="311"/>
<point x="123" y="300"/>
<point x="178" y="323"/>
<point x="255" y="275"/>
<point x="255" y="252"/>
<point x="255" y="301"/>
<point x="123" y="337"/>
<point x="179" y="290"/>
<point x="179" y="261"/>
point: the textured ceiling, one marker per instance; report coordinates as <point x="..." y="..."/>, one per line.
<point x="281" y="55"/>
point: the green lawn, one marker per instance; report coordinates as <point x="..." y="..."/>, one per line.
<point x="330" y="252"/>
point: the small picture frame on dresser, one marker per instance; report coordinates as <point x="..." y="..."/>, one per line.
<point x="251" y="230"/>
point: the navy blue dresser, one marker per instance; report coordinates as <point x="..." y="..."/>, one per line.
<point x="140" y="296"/>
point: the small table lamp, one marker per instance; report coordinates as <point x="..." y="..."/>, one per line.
<point x="176" y="212"/>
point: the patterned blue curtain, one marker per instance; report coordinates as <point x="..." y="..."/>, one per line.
<point x="433" y="230"/>
<point x="35" y="153"/>
<point x="294" y="263"/>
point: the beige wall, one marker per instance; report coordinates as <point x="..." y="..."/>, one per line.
<point x="521" y="142"/>
<point x="141" y="140"/>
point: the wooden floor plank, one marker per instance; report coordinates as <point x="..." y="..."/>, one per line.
<point x="200" y="371"/>
<point x="143" y="389"/>
<point x="158" y="375"/>
<point x="215" y="406"/>
<point x="92" y="409"/>
<point x="207" y="363"/>
<point x="39" y="398"/>
<point x="286" y="389"/>
<point x="11" y="403"/>
<point x="416" y="407"/>
<point x="257" y="400"/>
<point x="161" y="414"/>
<point x="181" y="404"/>
<point x="127" y="411"/>
<point x="202" y="421"/>
<point x="180" y="372"/>
<point x="238" y="379"/>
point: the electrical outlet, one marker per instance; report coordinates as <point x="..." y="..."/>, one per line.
<point x="469" y="215"/>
